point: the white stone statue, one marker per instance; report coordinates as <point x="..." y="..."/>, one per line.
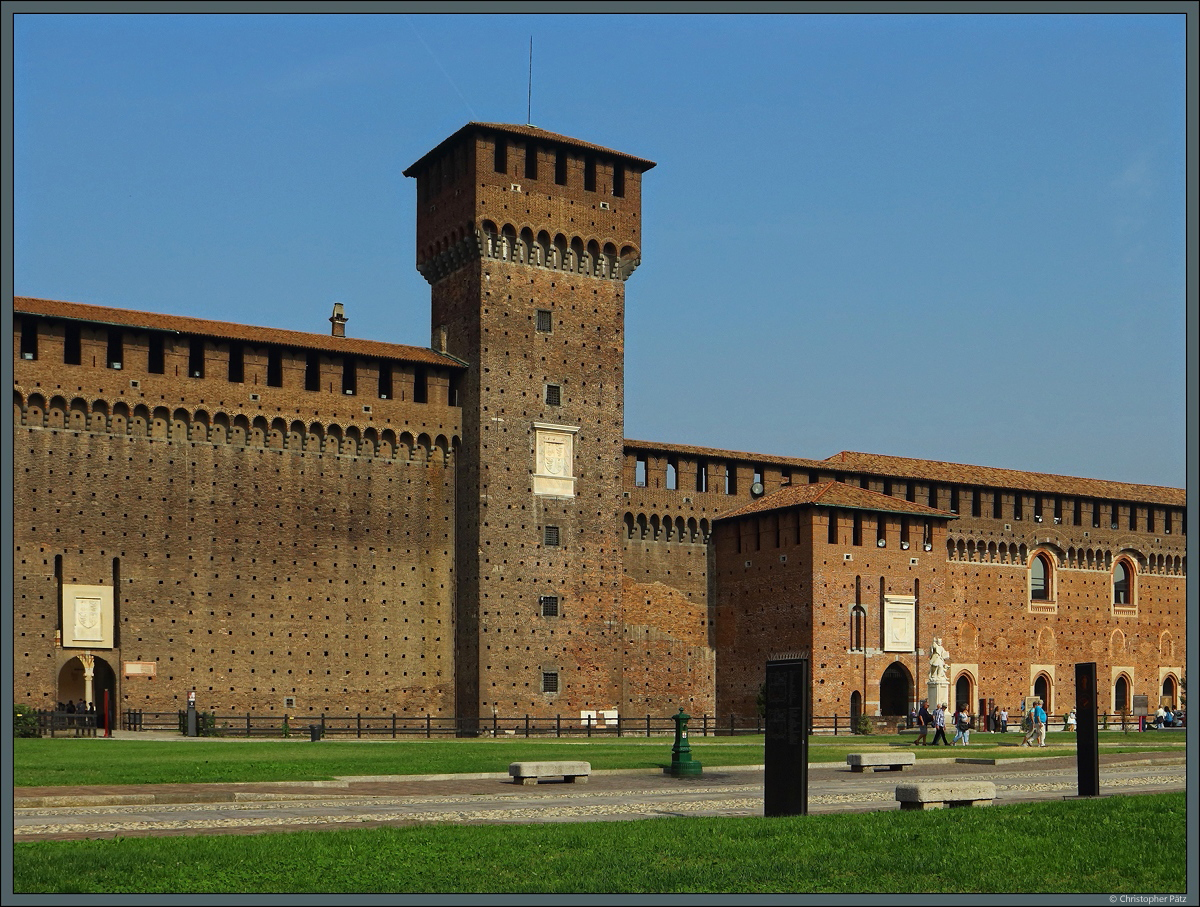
<point x="937" y="662"/>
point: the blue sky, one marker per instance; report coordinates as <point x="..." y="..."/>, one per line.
<point x="952" y="237"/>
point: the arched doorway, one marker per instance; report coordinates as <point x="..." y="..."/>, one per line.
<point x="1121" y="695"/>
<point x="895" y="690"/>
<point x="1168" y="692"/>
<point x="88" y="677"/>
<point x="1041" y="690"/>
<point x="962" y="695"/>
<point x="855" y="708"/>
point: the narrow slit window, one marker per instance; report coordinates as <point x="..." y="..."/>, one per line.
<point x="560" y="167"/>
<point x="672" y="476"/>
<point x="832" y="536"/>
<point x="702" y="477"/>
<point x="237" y="363"/>
<point x="589" y="174"/>
<point x="954" y="500"/>
<point x="730" y="479"/>
<point x="639" y="472"/>
<point x="29" y="338"/>
<point x="856" y="530"/>
<point x="196" y="357"/>
<point x="1078" y="514"/>
<point x="385" y="380"/>
<point x="312" y="371"/>
<point x="116" y="349"/>
<point x="531" y="161"/>
<point x="274" y="367"/>
<point x="72" y="345"/>
<point x="933" y="495"/>
<point x="420" y="385"/>
<point x="500" y="161"/>
<point x="997" y="505"/>
<point x="976" y="502"/>
<point x="349" y="376"/>
<point x="618" y="181"/>
<point x="156" y="360"/>
<point x="1018" y="506"/>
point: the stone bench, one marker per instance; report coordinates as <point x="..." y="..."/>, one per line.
<point x="895" y="762"/>
<point x="940" y="794"/>
<point x="530" y="772"/>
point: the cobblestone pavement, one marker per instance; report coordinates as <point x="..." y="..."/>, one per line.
<point x="105" y="812"/>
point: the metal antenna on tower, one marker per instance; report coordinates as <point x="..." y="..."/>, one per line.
<point x="529" y="95"/>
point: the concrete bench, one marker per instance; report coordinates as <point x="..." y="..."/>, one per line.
<point x="940" y="794"/>
<point x="530" y="772"/>
<point x="895" y="762"/>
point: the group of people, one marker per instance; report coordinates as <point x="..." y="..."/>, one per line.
<point x="1168" y="717"/>
<point x="1035" y="725"/>
<point x="961" y="721"/>
<point x="80" y="708"/>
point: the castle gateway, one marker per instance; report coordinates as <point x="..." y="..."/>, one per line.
<point x="320" y="524"/>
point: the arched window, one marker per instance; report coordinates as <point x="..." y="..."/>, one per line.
<point x="858" y="628"/>
<point x="1121" y="694"/>
<point x="1040" y="579"/>
<point x="1123" y="583"/>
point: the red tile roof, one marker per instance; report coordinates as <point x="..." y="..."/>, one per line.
<point x="936" y="470"/>
<point x="529" y="132"/>
<point x="885" y="466"/>
<point x="836" y="494"/>
<point x="76" y="311"/>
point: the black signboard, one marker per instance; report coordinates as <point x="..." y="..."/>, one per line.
<point x="789" y="710"/>
<point x="1087" y="737"/>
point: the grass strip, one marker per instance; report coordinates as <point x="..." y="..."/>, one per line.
<point x="44" y="762"/>
<point x="1107" y="845"/>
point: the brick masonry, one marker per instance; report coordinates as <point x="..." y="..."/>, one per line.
<point x="321" y="524"/>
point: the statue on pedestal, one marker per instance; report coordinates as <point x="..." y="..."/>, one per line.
<point x="937" y="662"/>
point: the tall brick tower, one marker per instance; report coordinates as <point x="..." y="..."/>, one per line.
<point x="526" y="238"/>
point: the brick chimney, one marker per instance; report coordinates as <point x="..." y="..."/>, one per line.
<point x="338" y="320"/>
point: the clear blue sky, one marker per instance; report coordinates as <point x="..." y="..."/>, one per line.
<point x="952" y="237"/>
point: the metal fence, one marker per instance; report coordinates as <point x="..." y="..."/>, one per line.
<point x="68" y="724"/>
<point x="397" y="726"/>
<point x="359" y="726"/>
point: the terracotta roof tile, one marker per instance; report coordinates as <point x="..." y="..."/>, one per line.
<point x="835" y="494"/>
<point x="77" y="311"/>
<point x="885" y="466"/>
<point x="904" y="467"/>
<point x="532" y="132"/>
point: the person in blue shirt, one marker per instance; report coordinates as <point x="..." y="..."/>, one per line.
<point x="1039" y="722"/>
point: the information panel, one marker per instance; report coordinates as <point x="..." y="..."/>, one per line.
<point x="789" y="711"/>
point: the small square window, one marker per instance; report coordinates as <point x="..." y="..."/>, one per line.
<point x="550" y="536"/>
<point x="549" y="605"/>
<point x="549" y="681"/>
<point x="544" y="322"/>
<point x="553" y="395"/>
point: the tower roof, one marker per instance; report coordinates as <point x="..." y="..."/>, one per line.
<point x="839" y="495"/>
<point x="527" y="132"/>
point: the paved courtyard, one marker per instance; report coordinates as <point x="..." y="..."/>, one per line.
<point x="58" y="813"/>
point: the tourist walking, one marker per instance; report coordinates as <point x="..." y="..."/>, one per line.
<point x="1003" y="721"/>
<point x="1039" y="723"/>
<point x="924" y="719"/>
<point x="939" y="725"/>
<point x="962" y="726"/>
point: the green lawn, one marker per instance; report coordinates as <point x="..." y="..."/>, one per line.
<point x="44" y="761"/>
<point x="1107" y="846"/>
